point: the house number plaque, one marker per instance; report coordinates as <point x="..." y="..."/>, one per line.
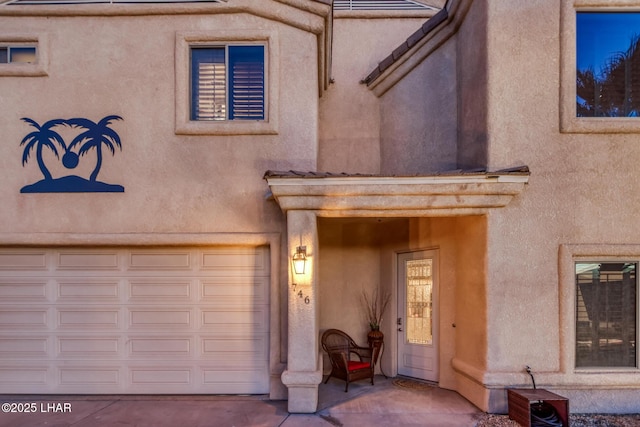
<point x="300" y="294"/>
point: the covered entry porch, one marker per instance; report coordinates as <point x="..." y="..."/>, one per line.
<point x="354" y="228"/>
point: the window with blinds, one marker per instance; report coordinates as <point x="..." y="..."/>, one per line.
<point x="227" y="83"/>
<point x="606" y="314"/>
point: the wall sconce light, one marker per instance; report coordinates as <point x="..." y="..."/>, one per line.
<point x="299" y="259"/>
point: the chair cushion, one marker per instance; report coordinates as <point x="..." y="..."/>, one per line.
<point x="355" y="365"/>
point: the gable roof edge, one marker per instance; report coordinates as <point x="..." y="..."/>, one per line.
<point x="433" y="33"/>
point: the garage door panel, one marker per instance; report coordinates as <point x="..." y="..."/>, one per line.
<point x="88" y="290"/>
<point x="150" y="290"/>
<point x="28" y="319"/>
<point x="91" y="378"/>
<point x="226" y="349"/>
<point x="234" y="380"/>
<point x="169" y="374"/>
<point x="86" y="347"/>
<point x="235" y="320"/>
<point x="98" y="318"/>
<point x="131" y="320"/>
<point x="14" y="376"/>
<point x="143" y="318"/>
<point x="17" y="347"/>
<point x="161" y="347"/>
<point x="236" y="290"/>
<point x="160" y="260"/>
<point x="84" y="260"/>
<point x="12" y="259"/>
<point x="241" y="259"/>
<point x="23" y="290"/>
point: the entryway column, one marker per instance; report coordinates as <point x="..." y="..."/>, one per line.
<point x="304" y="366"/>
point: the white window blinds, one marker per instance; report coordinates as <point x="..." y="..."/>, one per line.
<point x="227" y="83"/>
<point x="247" y="82"/>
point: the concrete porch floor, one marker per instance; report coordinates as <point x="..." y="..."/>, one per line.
<point x="384" y="404"/>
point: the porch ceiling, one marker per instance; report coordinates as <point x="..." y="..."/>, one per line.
<point x="453" y="193"/>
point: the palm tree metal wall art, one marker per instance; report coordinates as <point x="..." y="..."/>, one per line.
<point x="43" y="136"/>
<point x="92" y="136"/>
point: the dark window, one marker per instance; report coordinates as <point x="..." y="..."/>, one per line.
<point x="606" y="314"/>
<point x="227" y="83"/>
<point x="16" y="54"/>
<point x="608" y="64"/>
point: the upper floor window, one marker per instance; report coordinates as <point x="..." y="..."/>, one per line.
<point x="227" y="83"/>
<point x="23" y="55"/>
<point x="606" y="314"/>
<point x="599" y="81"/>
<point x="17" y="54"/>
<point x="608" y="64"/>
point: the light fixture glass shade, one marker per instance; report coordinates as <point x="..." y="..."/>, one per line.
<point x="299" y="259"/>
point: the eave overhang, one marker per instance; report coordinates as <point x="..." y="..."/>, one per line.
<point x="314" y="16"/>
<point x="451" y="194"/>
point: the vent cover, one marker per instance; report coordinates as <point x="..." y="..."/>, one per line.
<point x="47" y="2"/>
<point x="380" y="5"/>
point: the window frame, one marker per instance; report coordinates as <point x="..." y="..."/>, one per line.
<point x="37" y="68"/>
<point x="184" y="42"/>
<point x="570" y="255"/>
<point x="569" y="121"/>
<point x="606" y="288"/>
<point x="228" y="59"/>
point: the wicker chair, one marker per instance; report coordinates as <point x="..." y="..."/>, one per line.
<point x="349" y="361"/>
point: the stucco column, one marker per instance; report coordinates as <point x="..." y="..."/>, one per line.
<point x="304" y="366"/>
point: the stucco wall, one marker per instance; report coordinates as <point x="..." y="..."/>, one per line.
<point x="579" y="193"/>
<point x="125" y="65"/>
<point x="350" y="264"/>
<point x="418" y="118"/>
<point x="349" y="112"/>
<point x="472" y="74"/>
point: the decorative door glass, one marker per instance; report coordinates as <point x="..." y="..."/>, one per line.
<point x="419" y="291"/>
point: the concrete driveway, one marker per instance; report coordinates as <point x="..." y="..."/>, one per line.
<point x="389" y="403"/>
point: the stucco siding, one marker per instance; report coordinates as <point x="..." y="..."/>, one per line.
<point x="472" y="84"/>
<point x="349" y="112"/>
<point x="418" y="118"/>
<point x="125" y="66"/>
<point x="580" y="192"/>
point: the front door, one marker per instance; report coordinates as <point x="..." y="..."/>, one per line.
<point x="418" y="315"/>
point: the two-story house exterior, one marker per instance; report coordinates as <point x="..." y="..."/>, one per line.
<point x="163" y="162"/>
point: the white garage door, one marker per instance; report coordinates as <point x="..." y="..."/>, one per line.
<point x="134" y="320"/>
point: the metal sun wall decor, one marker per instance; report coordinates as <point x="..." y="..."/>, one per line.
<point x="91" y="135"/>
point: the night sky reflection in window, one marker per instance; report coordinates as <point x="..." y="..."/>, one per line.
<point x="608" y="64"/>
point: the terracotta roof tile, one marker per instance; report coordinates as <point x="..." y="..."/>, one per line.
<point x="518" y="170"/>
<point x="413" y="39"/>
<point x="400" y="50"/>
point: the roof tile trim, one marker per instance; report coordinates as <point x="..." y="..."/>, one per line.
<point x="517" y="170"/>
<point x="413" y="39"/>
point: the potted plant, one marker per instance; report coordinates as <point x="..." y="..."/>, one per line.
<point x="375" y="304"/>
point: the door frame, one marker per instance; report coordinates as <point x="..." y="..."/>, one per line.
<point x="433" y="252"/>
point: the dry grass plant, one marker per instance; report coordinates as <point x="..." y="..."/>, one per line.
<point x="375" y="305"/>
